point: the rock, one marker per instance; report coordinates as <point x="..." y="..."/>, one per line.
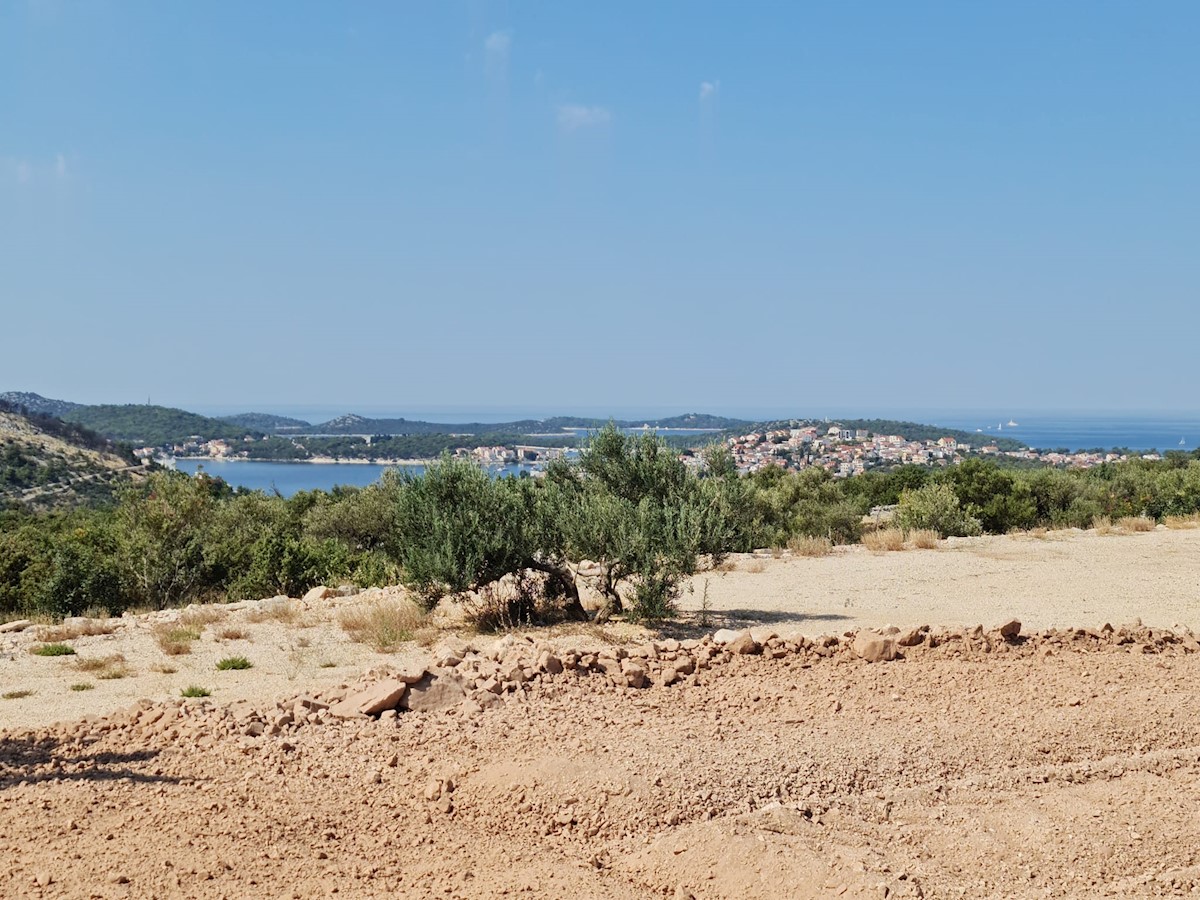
<point x="1010" y="630"/>
<point x="635" y="674"/>
<point x="320" y="592"/>
<point x="434" y="692"/>
<point x="911" y="638"/>
<point x="874" y="647"/>
<point x="669" y="676"/>
<point x="744" y="645"/>
<point x="371" y="701"/>
<point x="725" y="635"/>
<point x="15" y="625"/>
<point x="550" y="663"/>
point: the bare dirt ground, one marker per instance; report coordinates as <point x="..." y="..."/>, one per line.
<point x="1058" y="763"/>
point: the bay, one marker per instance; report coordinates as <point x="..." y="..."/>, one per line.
<point x="289" y="478"/>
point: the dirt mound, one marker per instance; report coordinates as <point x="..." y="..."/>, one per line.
<point x="974" y="763"/>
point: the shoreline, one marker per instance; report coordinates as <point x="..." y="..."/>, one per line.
<point x="320" y="461"/>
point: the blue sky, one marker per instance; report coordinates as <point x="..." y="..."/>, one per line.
<point x="836" y="208"/>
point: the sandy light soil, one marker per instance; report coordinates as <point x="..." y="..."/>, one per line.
<point x="1050" y="763"/>
<point x="1061" y="579"/>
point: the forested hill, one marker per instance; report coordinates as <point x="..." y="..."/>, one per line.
<point x="355" y="424"/>
<point x="36" y="404"/>
<point x="266" y="422"/>
<point x="145" y="425"/>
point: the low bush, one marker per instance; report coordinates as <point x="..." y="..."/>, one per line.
<point x="83" y="686"/>
<point x="15" y="695"/>
<point x="195" y="691"/>
<point x="283" y="611"/>
<point x="233" y="663"/>
<point x="233" y="634"/>
<point x="64" y="632"/>
<point x="108" y="667"/>
<point x="936" y="507"/>
<point x="810" y="546"/>
<point x="884" y="540"/>
<point x="53" y="650"/>
<point x="1181" y="522"/>
<point x="924" y="538"/>
<point x="382" y="626"/>
<point x="175" y="640"/>
<point x="1136" y="523"/>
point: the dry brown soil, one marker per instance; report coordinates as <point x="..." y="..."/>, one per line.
<point x="1057" y="767"/>
<point x="1062" y="764"/>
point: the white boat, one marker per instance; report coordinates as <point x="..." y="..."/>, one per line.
<point x="1012" y="424"/>
<point x="1182" y="442"/>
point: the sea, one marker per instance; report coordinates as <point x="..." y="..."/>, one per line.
<point x="1078" y="431"/>
<point x="1139" y="432"/>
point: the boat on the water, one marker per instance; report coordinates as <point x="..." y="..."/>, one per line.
<point x="1012" y="424"/>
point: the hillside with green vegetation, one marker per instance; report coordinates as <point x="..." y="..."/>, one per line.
<point x="153" y="426"/>
<point x="355" y="424"/>
<point x="45" y="461"/>
<point x="628" y="503"/>
<point x="35" y="404"/>
<point x="266" y="422"/>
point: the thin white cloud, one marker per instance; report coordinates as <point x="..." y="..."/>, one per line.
<point x="708" y="89"/>
<point x="33" y="171"/>
<point x="498" y="42"/>
<point x="496" y="49"/>
<point x="572" y="116"/>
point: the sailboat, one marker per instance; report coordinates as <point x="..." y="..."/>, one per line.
<point x="1182" y="442"/>
<point x="1012" y="424"/>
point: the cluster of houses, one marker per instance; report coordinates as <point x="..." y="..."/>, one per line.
<point x="845" y="452"/>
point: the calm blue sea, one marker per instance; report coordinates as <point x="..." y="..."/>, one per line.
<point x="289" y="478"/>
<point x="1084" y="432"/>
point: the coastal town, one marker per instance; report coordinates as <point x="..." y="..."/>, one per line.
<point x="842" y="451"/>
<point x="845" y="452"/>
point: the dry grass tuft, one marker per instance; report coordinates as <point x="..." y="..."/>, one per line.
<point x="1039" y="534"/>
<point x="754" y="566"/>
<point x="233" y="634"/>
<point x="107" y="668"/>
<point x="86" y="628"/>
<point x="175" y="640"/>
<point x="1103" y="525"/>
<point x="924" y="538"/>
<point x="282" y="611"/>
<point x="163" y="669"/>
<point x="1180" y="522"/>
<point x="810" y="546"/>
<point x="200" y="616"/>
<point x="884" y="540"/>
<point x="1136" y="523"/>
<point x="382" y="626"/>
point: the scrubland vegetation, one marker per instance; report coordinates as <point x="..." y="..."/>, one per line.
<point x="628" y="505"/>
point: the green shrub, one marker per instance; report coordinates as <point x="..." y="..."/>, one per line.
<point x="233" y="663"/>
<point x="53" y="650"/>
<point x="935" y="506"/>
<point x="195" y="691"/>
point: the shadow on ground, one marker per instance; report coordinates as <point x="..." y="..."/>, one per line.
<point x="31" y="761"/>
<point x="697" y="624"/>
